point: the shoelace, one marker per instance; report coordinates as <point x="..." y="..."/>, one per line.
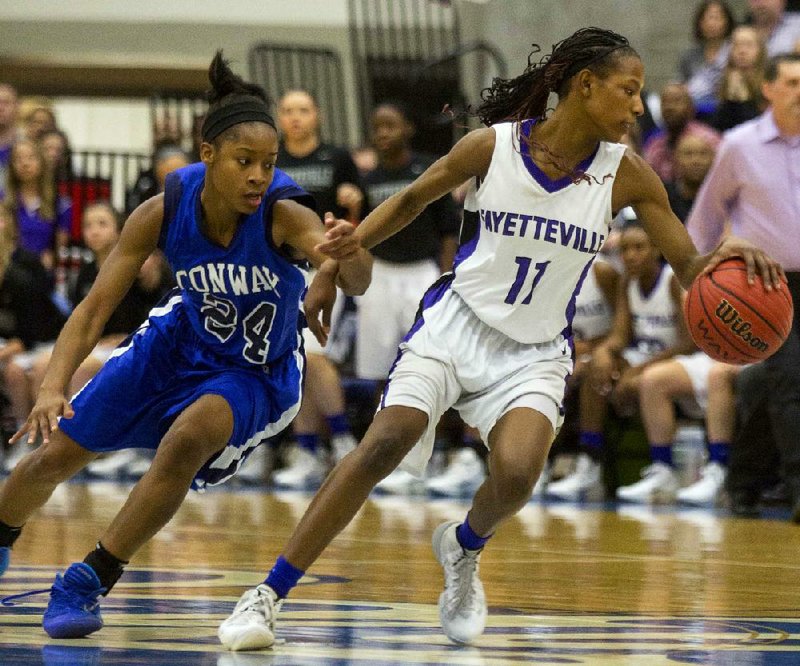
<point x="257" y="602"/>
<point x="11" y="599"/>
<point x="63" y="595"/>
<point x="463" y="571"/>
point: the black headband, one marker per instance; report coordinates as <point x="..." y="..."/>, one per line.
<point x="229" y="115"/>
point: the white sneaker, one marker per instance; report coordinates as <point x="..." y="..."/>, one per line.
<point x="462" y="476"/>
<point x="251" y="626"/>
<point x="462" y="605"/>
<point x="401" y="483"/>
<point x="254" y="469"/>
<point x="585" y="482"/>
<point x="305" y="470"/>
<point x="341" y="445"/>
<point x="659" y="484"/>
<point x="111" y="465"/>
<point x="708" y="489"/>
<point x="138" y="466"/>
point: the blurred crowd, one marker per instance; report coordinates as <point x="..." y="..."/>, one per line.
<point x="639" y="384"/>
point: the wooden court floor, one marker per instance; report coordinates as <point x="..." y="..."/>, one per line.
<point x="566" y="584"/>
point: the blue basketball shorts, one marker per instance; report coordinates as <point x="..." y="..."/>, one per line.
<point x="161" y="370"/>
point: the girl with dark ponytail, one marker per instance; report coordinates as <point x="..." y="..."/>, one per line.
<point x="493" y="337"/>
<point x="218" y="367"/>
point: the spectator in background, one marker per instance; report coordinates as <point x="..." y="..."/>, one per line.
<point x="694" y="154"/>
<point x="753" y="186"/>
<point x="57" y="155"/>
<point x="778" y="28"/>
<point x="740" y="97"/>
<point x="28" y="318"/>
<point x="37" y="116"/>
<point x="327" y="173"/>
<point x="701" y="65"/>
<point x="166" y="158"/>
<point x="8" y="129"/>
<point x="406" y="263"/>
<point x="677" y="111"/>
<point x="100" y="229"/>
<point x="42" y="217"/>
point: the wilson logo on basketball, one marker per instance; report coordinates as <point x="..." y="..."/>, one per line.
<point x="729" y="316"/>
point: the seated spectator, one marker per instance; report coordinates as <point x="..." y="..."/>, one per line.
<point x="8" y="130"/>
<point x="42" y="217"/>
<point x="37" y="117"/>
<point x="101" y="227"/>
<point x="702" y="388"/>
<point x="594" y="316"/>
<point x="57" y="154"/>
<point x="701" y="65"/>
<point x="29" y="320"/>
<point x="740" y="97"/>
<point x="677" y="111"/>
<point x="694" y="154"/>
<point x="779" y="29"/>
<point x="648" y="328"/>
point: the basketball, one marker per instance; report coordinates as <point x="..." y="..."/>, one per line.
<point x="733" y="321"/>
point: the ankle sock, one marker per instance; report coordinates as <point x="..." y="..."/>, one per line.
<point x="661" y="453"/>
<point x="309" y="442"/>
<point x="108" y="567"/>
<point x="591" y="443"/>
<point x="467" y="537"/>
<point x="8" y="534"/>
<point x="718" y="452"/>
<point x="283" y="577"/>
<point x="337" y="424"/>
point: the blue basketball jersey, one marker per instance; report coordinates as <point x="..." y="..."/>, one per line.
<point x="243" y="300"/>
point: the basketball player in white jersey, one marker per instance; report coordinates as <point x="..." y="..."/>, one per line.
<point x="493" y="338"/>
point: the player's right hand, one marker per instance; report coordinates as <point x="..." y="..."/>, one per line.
<point x="319" y="300"/>
<point x="43" y="418"/>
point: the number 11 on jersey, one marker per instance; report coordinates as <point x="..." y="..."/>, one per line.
<point x="523" y="268"/>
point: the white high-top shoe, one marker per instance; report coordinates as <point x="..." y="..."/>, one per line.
<point x="462" y="476"/>
<point x="584" y="482"/>
<point x="708" y="489"/>
<point x="305" y="470"/>
<point x="251" y="626"/>
<point x="659" y="484"/>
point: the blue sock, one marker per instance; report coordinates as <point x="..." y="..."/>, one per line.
<point x="661" y="453"/>
<point x="718" y="453"/>
<point x="591" y="443"/>
<point x="338" y="423"/>
<point x="283" y="577"/>
<point x="309" y="442"/>
<point x="468" y="539"/>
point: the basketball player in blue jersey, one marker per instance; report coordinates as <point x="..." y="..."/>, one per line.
<point x="215" y="370"/>
<point x="493" y="337"/>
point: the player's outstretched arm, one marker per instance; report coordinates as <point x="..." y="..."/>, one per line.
<point x="638" y="185"/>
<point x="85" y="325"/>
<point x="469" y="158"/>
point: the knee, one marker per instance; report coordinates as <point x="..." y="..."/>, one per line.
<point x="184" y="449"/>
<point x="53" y="463"/>
<point x="383" y="452"/>
<point x="513" y="486"/>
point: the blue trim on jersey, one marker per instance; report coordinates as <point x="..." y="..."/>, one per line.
<point x="540" y="176"/>
<point x="571" y="305"/>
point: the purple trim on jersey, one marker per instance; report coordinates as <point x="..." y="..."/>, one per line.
<point x="648" y="293"/>
<point x="570" y="312"/>
<point x="540" y="176"/>
<point x="466" y="250"/>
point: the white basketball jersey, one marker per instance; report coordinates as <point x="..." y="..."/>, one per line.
<point x="536" y="239"/>
<point x="654" y="316"/>
<point x="593" y="313"/>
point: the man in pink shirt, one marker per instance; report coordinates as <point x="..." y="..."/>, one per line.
<point x="678" y="112"/>
<point x="754" y="185"/>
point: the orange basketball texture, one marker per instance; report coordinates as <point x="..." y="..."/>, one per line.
<point x="735" y="322"/>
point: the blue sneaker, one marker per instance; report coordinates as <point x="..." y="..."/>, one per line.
<point x="5" y="556"/>
<point x="73" y="610"/>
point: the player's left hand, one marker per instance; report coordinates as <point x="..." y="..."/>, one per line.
<point x="318" y="305"/>
<point x="350" y="197"/>
<point x="756" y="260"/>
<point x="340" y="242"/>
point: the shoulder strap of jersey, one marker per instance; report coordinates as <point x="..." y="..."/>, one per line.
<point x="173" y="188"/>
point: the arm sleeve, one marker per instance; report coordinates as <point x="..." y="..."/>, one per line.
<point x="714" y="200"/>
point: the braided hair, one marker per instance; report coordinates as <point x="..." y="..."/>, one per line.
<point x="526" y="96"/>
